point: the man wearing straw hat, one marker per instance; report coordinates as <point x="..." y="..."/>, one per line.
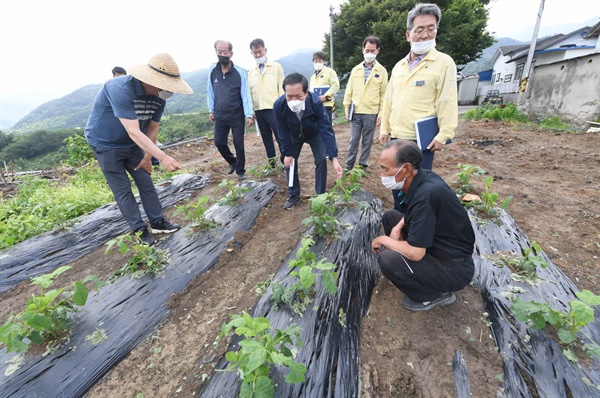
<point x="122" y="131"/>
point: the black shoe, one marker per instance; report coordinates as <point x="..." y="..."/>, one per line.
<point x="242" y="176"/>
<point x="162" y="226"/>
<point x="364" y="167"/>
<point x="291" y="202"/>
<point x="146" y="237"/>
<point x="231" y="168"/>
<point x="445" y="299"/>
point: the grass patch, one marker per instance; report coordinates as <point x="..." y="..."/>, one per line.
<point x="42" y="205"/>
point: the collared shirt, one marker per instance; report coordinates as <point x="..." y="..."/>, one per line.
<point x="429" y="89"/>
<point x="121" y="98"/>
<point x="326" y="77"/>
<point x="366" y="94"/>
<point x="435" y="219"/>
<point x="368" y="70"/>
<point x="266" y="85"/>
<point x="413" y="64"/>
<point x="228" y="95"/>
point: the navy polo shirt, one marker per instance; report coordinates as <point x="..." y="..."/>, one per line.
<point x="121" y="97"/>
<point x="227" y="93"/>
<point x="435" y="219"/>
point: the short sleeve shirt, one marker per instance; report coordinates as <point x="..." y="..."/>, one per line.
<point x="121" y="97"/>
<point x="435" y="219"/>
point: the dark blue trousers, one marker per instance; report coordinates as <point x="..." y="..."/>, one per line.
<point x="319" y="153"/>
<point x="268" y="127"/>
<point x="237" y="127"/>
<point x="115" y="164"/>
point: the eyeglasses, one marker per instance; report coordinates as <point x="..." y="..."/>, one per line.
<point x="258" y="52"/>
<point x="421" y="31"/>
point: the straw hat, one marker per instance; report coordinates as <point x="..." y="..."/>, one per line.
<point x="161" y="72"/>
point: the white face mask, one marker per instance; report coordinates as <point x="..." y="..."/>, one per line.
<point x="296" y="105"/>
<point x="390" y="181"/>
<point x="369" y="57"/>
<point x="261" y="60"/>
<point x="422" y="47"/>
<point x="318" y="65"/>
<point x="164" y="94"/>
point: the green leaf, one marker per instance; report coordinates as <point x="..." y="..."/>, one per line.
<point x="566" y="337"/>
<point x="296" y="374"/>
<point x="588" y="297"/>
<point x="39" y="322"/>
<point x="263" y="388"/>
<point x="255" y="359"/>
<point x="329" y="280"/>
<point x="80" y="293"/>
<point x="231" y="356"/>
<point x="582" y="313"/>
<point x="592" y="349"/>
<point x="570" y="355"/>
<point x="306" y="276"/>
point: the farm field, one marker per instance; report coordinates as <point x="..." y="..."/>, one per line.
<point x="552" y="176"/>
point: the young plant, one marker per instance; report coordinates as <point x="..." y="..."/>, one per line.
<point x="568" y="324"/>
<point x="263" y="171"/>
<point x="146" y="259"/>
<point x="323" y="209"/>
<point x="489" y="200"/>
<point x="348" y="184"/>
<point x="258" y="351"/>
<point x="306" y="270"/>
<point x="45" y="318"/>
<point x="464" y="177"/>
<point x="235" y="195"/>
<point x="194" y="212"/>
<point x="525" y="267"/>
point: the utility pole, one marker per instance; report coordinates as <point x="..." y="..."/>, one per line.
<point x="527" y="68"/>
<point x="331" y="37"/>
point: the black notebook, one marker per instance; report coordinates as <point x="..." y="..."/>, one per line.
<point x="426" y="129"/>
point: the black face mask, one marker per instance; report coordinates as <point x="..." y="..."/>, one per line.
<point x="223" y="60"/>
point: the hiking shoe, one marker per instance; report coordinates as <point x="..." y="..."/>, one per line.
<point x="231" y="168"/>
<point x="291" y="202"/>
<point x="242" y="176"/>
<point x="445" y="299"/>
<point x="146" y="237"/>
<point x="162" y="226"/>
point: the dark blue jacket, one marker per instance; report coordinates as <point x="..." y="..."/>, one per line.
<point x="314" y="121"/>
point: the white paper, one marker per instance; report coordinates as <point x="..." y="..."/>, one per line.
<point x="291" y="174"/>
<point x="257" y="129"/>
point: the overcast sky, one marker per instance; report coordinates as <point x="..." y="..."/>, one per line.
<point x="52" y="47"/>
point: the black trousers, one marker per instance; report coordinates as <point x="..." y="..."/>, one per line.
<point x="427" y="279"/>
<point x="268" y="127"/>
<point x="237" y="127"/>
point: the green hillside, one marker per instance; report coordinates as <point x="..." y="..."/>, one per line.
<point x="72" y="111"/>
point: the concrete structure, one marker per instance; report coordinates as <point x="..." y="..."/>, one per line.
<point x="568" y="88"/>
<point x="467" y="90"/>
<point x="509" y="61"/>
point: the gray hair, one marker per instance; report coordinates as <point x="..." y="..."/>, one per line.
<point x="229" y="46"/>
<point x="423" y="9"/>
<point x="406" y="152"/>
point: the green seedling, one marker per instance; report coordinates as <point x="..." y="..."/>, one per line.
<point x="306" y="269"/>
<point x="195" y="213"/>
<point x="348" y="184"/>
<point x="568" y="324"/>
<point x="489" y="200"/>
<point x="464" y="177"/>
<point x="260" y="349"/>
<point x="323" y="209"/>
<point x="263" y="171"/>
<point x="524" y="267"/>
<point x="45" y="318"/>
<point x="145" y="260"/>
<point x="235" y="195"/>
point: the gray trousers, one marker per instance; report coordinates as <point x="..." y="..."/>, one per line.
<point x="361" y="124"/>
<point x="115" y="164"/>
